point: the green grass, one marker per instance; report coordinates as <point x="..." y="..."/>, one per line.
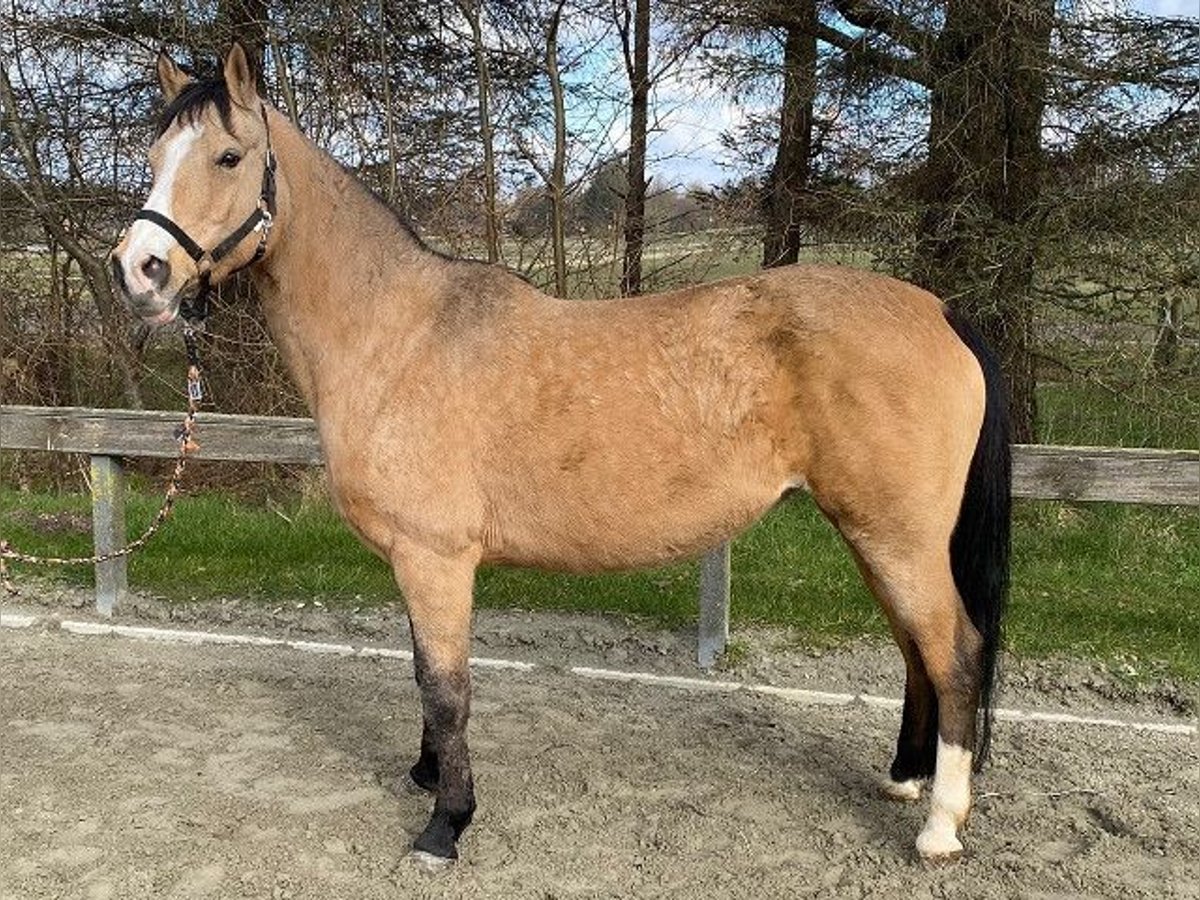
<point x="1113" y="583"/>
<point x="1161" y="412"/>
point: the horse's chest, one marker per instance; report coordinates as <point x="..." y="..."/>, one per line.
<point x="388" y="482"/>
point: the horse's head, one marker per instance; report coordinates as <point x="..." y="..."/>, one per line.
<point x="209" y="210"/>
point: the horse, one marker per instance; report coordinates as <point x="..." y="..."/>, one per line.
<point x="466" y="417"/>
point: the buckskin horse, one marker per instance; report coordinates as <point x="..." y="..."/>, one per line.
<point x="465" y="417"/>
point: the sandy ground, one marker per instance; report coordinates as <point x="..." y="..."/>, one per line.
<point x="131" y="769"/>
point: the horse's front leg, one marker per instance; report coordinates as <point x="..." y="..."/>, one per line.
<point x="438" y="588"/>
<point x="424" y="772"/>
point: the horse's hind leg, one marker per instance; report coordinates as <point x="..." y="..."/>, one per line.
<point x="916" y="747"/>
<point x="437" y="589"/>
<point x="943" y="657"/>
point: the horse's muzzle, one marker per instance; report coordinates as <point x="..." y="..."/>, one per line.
<point x="149" y="306"/>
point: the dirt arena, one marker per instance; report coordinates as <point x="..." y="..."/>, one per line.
<point x="138" y="769"/>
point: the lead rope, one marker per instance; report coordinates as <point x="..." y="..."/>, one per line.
<point x="183" y="434"/>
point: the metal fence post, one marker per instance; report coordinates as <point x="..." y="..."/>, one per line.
<point x="714" y="605"/>
<point x="108" y="532"/>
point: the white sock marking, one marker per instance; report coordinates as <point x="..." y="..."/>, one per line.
<point x="950" y="803"/>
<point x="907" y="790"/>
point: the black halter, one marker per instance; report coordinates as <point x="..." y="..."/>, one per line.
<point x="260" y="220"/>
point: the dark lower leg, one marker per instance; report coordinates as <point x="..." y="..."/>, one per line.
<point x="438" y="586"/>
<point x="424" y="772"/>
<point x="445" y="697"/>
<point x="916" y="747"/>
<point x="958" y="692"/>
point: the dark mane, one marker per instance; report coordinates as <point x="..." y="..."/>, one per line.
<point x="193" y="100"/>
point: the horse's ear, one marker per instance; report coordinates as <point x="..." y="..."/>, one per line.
<point x="239" y="78"/>
<point x="171" y="78"/>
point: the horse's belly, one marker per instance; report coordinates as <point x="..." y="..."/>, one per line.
<point x="629" y="526"/>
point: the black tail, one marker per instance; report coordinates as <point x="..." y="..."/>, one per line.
<point x="979" y="547"/>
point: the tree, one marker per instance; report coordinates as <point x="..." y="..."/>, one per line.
<point x="749" y="44"/>
<point x="556" y="181"/>
<point x="786" y="186"/>
<point x="635" y="47"/>
<point x="602" y="202"/>
<point x="472" y="12"/>
<point x="990" y="68"/>
<point x="983" y="63"/>
<point x="977" y="238"/>
<point x="54" y="201"/>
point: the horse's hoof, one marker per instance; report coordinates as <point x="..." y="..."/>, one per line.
<point x="939" y="845"/>
<point x="436" y="845"/>
<point x="430" y="863"/>
<point x="905" y="791"/>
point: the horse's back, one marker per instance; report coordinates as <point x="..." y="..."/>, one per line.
<point x="623" y="432"/>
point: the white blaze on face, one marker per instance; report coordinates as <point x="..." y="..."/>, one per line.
<point x="146" y="239"/>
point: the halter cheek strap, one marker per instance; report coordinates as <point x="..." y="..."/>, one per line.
<point x="260" y="220"/>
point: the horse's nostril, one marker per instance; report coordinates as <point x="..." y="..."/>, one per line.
<point x="156" y="270"/>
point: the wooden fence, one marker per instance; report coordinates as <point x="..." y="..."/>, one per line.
<point x="1039" y="471"/>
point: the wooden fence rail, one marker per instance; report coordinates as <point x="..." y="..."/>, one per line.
<point x="1043" y="472"/>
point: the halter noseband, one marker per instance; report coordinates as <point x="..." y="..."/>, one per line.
<point x="260" y="220"/>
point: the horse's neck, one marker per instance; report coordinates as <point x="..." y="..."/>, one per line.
<point x="342" y="275"/>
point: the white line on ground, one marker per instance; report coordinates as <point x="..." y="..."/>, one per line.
<point x="829" y="698"/>
<point x="800" y="695"/>
<point x="1052" y="718"/>
<point x="180" y="636"/>
<point x="797" y="695"/>
<point x="386" y="653"/>
<point x="167" y="635"/>
<point x="17" y="620"/>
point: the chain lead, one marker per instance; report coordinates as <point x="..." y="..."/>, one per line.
<point x="184" y="435"/>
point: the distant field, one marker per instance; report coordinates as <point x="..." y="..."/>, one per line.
<point x="669" y="260"/>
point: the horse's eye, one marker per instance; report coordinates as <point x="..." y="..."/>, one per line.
<point x="229" y="160"/>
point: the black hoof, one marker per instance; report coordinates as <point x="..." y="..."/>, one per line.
<point x="437" y="840"/>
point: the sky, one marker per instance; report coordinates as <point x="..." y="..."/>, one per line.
<point x="1168" y="7"/>
<point x="688" y="148"/>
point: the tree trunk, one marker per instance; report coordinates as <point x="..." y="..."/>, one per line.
<point x="784" y="192"/>
<point x="637" y="65"/>
<point x="978" y="232"/>
<point x="285" y="78"/>
<point x="558" y="175"/>
<point x="491" y="220"/>
<point x="389" y="111"/>
<point x="58" y="336"/>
